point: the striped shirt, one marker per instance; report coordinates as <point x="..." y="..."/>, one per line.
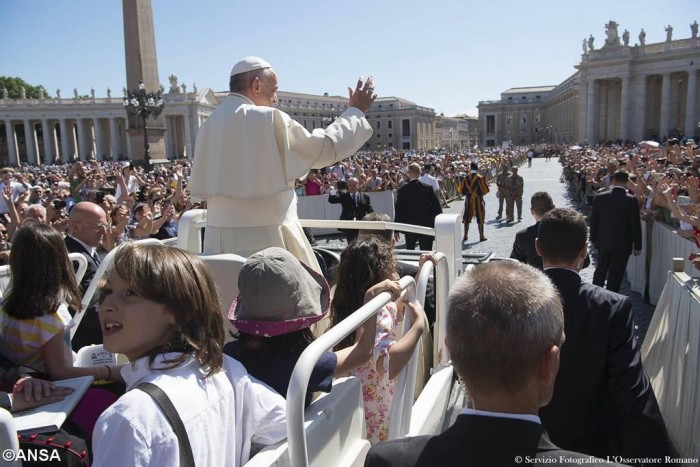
<point x="22" y="339"/>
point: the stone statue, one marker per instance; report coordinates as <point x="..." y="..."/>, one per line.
<point x="173" y="84"/>
<point x="22" y="93"/>
<point x="590" y="43"/>
<point x="161" y="89"/>
<point x="92" y="92"/>
<point x="194" y="88"/>
<point x="58" y="93"/>
<point x="184" y="88"/>
<point x="694" y="29"/>
<point x="626" y="38"/>
<point x="642" y="37"/>
<point x="75" y="92"/>
<point x="611" y="33"/>
<point x="584" y="46"/>
<point x="669" y="33"/>
<point x="41" y="94"/>
<point x="126" y="93"/>
<point x="109" y="93"/>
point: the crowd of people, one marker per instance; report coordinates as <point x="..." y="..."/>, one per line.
<point x="159" y="306"/>
<point x="664" y="180"/>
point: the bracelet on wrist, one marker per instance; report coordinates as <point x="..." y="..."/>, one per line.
<point x="109" y="372"/>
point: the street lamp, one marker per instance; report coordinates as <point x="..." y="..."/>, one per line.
<point x="144" y="104"/>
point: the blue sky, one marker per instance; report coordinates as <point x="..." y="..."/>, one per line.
<point x="444" y="54"/>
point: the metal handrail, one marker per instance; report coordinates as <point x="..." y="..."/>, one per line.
<point x="299" y="381"/>
<point x="367" y="225"/>
<point x="402" y="403"/>
<point x="442" y="288"/>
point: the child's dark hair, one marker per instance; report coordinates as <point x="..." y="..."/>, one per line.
<point x="364" y="263"/>
<point x="42" y="274"/>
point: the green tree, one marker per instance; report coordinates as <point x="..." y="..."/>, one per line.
<point x="14" y="86"/>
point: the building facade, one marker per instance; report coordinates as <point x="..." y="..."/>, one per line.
<point x="51" y="130"/>
<point x="621" y="92"/>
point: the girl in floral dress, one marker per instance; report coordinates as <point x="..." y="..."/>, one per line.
<point x="363" y="264"/>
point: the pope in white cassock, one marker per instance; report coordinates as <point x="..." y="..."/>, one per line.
<point x="248" y="155"/>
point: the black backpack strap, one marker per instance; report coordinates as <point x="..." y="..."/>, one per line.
<point x="163" y="401"/>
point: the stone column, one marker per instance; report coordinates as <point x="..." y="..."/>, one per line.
<point x="30" y="141"/>
<point x="11" y="141"/>
<point x="640" y="108"/>
<point x="664" y="124"/>
<point x="47" y="131"/>
<point x="189" y="147"/>
<point x="625" y="109"/>
<point x="582" y="120"/>
<point x="83" y="149"/>
<point x="114" y="146"/>
<point x="65" y="140"/>
<point x="591" y="112"/>
<point x="691" y="99"/>
<point x="99" y="141"/>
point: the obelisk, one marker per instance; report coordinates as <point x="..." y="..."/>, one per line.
<point x="142" y="65"/>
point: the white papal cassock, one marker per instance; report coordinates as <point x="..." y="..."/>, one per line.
<point x="246" y="160"/>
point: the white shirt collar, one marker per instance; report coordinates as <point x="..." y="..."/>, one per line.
<point x="88" y="248"/>
<point x="248" y="101"/>
<point x="134" y="372"/>
<point x="515" y="416"/>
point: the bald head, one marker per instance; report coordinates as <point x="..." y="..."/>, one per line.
<point x="87" y="222"/>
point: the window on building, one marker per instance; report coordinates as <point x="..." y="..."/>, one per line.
<point x="379" y="125"/>
<point x="405" y="127"/>
<point x="523" y="130"/>
<point x="509" y="119"/>
<point x="524" y="97"/>
<point x="390" y="135"/>
<point x="537" y="97"/>
<point x="509" y="131"/>
<point x="510" y="98"/>
<point x="523" y="119"/>
<point x="390" y="144"/>
<point x="537" y="118"/>
<point x="388" y="124"/>
<point x="379" y="135"/>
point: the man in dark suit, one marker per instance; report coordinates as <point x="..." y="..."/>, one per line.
<point x="615" y="231"/>
<point x="504" y="331"/>
<point x="524" y="245"/>
<point x="603" y="403"/>
<point x="354" y="203"/>
<point x="87" y="224"/>
<point x="417" y="204"/>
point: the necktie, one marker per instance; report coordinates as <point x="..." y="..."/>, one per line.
<point x="357" y="199"/>
<point x="96" y="258"/>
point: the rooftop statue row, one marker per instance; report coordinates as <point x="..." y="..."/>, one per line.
<point x="612" y="39"/>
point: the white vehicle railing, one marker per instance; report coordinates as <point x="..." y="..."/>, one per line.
<point x="443" y="283"/>
<point x="402" y="403"/>
<point x="447" y="233"/>
<point x="299" y="382"/>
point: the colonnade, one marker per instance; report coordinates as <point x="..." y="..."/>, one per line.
<point x="655" y="105"/>
<point x="47" y="140"/>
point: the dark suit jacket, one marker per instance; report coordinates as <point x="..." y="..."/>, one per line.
<point x="417" y="204"/>
<point x="473" y="441"/>
<point x="603" y="403"/>
<point x="89" y="331"/>
<point x="524" y="248"/>
<point x="350" y="210"/>
<point x="615" y="225"/>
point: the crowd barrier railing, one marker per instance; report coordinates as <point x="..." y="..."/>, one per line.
<point x="660" y="244"/>
<point x="671" y="357"/>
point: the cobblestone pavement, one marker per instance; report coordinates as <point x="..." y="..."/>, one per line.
<point x="542" y="176"/>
